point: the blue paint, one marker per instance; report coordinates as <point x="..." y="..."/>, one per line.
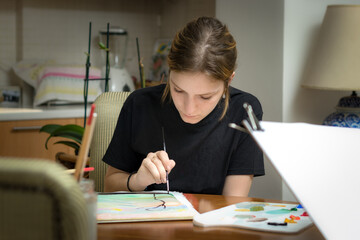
<point x="279" y="211"/>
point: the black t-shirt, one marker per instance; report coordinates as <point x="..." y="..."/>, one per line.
<point x="205" y="152"/>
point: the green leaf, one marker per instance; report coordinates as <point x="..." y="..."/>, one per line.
<point x="102" y="46"/>
<point x="72" y="136"/>
<point x="70" y="131"/>
<point x="49" y="128"/>
<point x="70" y="128"/>
<point x="70" y="144"/>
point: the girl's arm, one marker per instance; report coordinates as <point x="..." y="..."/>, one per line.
<point x="237" y="185"/>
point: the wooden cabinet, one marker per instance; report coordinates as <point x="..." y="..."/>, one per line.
<point x="23" y="139"/>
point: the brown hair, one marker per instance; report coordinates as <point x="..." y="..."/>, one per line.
<point x="204" y="45"/>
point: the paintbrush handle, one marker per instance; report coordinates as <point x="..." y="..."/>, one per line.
<point x="84" y="149"/>
<point x="85" y="145"/>
<point x="71" y="171"/>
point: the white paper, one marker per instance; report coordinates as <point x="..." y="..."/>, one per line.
<point x="321" y="165"/>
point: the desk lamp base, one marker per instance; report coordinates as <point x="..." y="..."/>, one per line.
<point x="347" y="113"/>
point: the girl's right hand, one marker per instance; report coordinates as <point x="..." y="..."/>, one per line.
<point x="153" y="169"/>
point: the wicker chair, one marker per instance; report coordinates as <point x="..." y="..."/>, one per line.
<point x="108" y="106"/>
<point x="38" y="200"/>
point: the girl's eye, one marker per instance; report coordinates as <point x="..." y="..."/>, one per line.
<point x="205" y="98"/>
<point x="177" y="90"/>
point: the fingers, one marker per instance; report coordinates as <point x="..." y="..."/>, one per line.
<point x="155" y="168"/>
<point x="151" y="169"/>
<point x="157" y="164"/>
<point x="164" y="158"/>
<point x="167" y="163"/>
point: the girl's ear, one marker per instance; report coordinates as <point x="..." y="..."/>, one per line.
<point x="231" y="78"/>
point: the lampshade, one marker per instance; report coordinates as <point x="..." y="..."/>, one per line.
<point x="335" y="61"/>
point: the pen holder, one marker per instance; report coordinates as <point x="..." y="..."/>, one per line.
<point x="87" y="187"/>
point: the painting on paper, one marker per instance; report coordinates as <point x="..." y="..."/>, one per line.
<point x="128" y="207"/>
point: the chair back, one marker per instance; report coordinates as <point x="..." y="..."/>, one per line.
<point x="108" y="106"/>
<point x="38" y="200"/>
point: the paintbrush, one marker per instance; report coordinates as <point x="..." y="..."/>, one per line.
<point x="167" y="174"/>
<point x="87" y="169"/>
<point x="85" y="145"/>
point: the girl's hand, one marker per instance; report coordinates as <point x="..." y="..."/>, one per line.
<point x="153" y="168"/>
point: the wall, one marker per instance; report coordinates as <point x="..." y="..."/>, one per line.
<point x="59" y="30"/>
<point x="7" y="40"/>
<point x="257" y="27"/>
<point x="174" y="14"/>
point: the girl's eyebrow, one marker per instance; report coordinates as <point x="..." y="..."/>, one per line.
<point x="209" y="93"/>
<point x="174" y="84"/>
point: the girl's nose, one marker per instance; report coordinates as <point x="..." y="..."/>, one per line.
<point x="189" y="106"/>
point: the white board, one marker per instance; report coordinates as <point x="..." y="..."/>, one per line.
<point x="321" y="165"/>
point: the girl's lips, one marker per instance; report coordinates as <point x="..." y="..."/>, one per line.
<point x="189" y="119"/>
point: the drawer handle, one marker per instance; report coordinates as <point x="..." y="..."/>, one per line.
<point x="27" y="128"/>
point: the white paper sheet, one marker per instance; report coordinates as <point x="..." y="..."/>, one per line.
<point x="321" y="165"/>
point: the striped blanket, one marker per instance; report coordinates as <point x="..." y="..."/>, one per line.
<point x="58" y="84"/>
<point x="66" y="85"/>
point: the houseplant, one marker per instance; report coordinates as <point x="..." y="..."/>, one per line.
<point x="73" y="133"/>
<point x="69" y="135"/>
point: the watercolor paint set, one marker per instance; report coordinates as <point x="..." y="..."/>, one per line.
<point x="263" y="216"/>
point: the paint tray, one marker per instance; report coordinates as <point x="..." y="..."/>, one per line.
<point x="256" y="216"/>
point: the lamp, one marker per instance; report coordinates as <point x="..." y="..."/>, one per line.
<point x="335" y="63"/>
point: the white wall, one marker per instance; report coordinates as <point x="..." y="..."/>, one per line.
<point x="257" y="27"/>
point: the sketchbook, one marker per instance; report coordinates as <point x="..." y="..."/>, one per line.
<point x="320" y="164"/>
<point x="145" y="206"/>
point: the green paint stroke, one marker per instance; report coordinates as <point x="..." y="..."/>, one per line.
<point x="279" y="211"/>
<point x="257" y="208"/>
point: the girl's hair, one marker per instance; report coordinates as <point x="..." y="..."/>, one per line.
<point x="204" y="45"/>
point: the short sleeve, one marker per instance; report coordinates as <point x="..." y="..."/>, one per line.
<point x="119" y="153"/>
<point x="247" y="158"/>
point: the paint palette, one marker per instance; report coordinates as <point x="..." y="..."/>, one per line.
<point x="261" y="216"/>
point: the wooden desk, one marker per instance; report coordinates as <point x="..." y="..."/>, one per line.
<point x="186" y="229"/>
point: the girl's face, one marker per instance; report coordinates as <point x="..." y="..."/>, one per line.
<point x="195" y="94"/>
